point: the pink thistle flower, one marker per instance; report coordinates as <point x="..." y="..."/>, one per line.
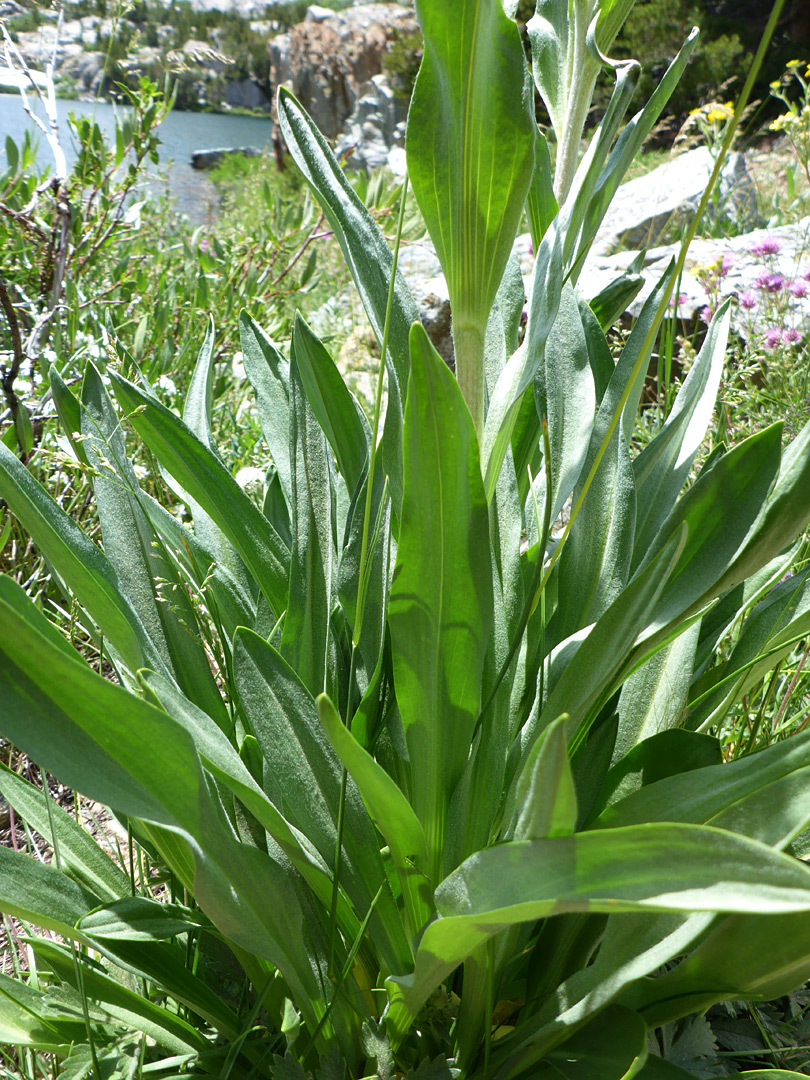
<point x="806" y="275"/>
<point x="706" y="314"/>
<point x="773" y="337"/>
<point x="775" y="283"/>
<point x="748" y="301"/>
<point x="791" y="336"/>
<point x="799" y="289"/>
<point x="676" y="301"/>
<point x="769" y="246"/>
<point x="727" y="263"/>
<point x="762" y="281"/>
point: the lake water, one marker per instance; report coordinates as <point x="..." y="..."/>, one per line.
<point x="180" y="134"/>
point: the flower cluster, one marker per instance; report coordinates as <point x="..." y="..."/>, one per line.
<point x="772" y="301"/>
<point x="795" y="123"/>
<point x="711" y="121"/>
<point x="774" y="297"/>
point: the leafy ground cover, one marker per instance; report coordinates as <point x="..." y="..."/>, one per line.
<point x="409" y="781"/>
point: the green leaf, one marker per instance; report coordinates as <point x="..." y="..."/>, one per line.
<point x="541" y="205"/>
<point x="136" y="918"/>
<point x="389" y="809"/>
<point x="763" y="795"/>
<point x="82" y="859"/>
<point x="470" y="147"/>
<point x="119" y="750"/>
<point x="388" y="806"/>
<point x="626" y="149"/>
<point x="302" y="775"/>
<point x="83" y="567"/>
<point x="306" y="642"/>
<point x="666" y="868"/>
<point x="120" y="1003"/>
<point x="589" y="675"/>
<point x="36" y="892"/>
<point x="654" y="697"/>
<point x="269" y="375"/>
<point x="654" y="758"/>
<point x="565" y="394"/>
<point x="210" y="484"/>
<point x="334" y="406"/>
<point x="748" y="957"/>
<point x="148" y="576"/>
<point x="545" y="802"/>
<point x="30" y="1017"/>
<point x="369" y="260"/>
<point x="719" y="511"/>
<point x="440" y="612"/>
<point x="662" y="467"/>
<point x="783" y="516"/>
<point x="769" y="633"/>
<point x="607" y="1048"/>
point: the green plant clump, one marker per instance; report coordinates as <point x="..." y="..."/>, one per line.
<point x="420" y="773"/>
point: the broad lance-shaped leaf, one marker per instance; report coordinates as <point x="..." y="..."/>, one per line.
<point x="566" y="397"/>
<point x="224" y="763"/>
<point x="470" y="147"/>
<point x="719" y="510"/>
<point x="116" y="748"/>
<point x="677" y="868"/>
<point x="769" y="634"/>
<point x="29" y="1017"/>
<point x="741" y="795"/>
<point x="148" y="576"/>
<point x="390" y="811"/>
<point x="440" y="612"/>
<point x="268" y="372"/>
<point x="81" y="565"/>
<point x="333" y="404"/>
<point x="663" y="465"/>
<point x="83" y="860"/>
<point x="302" y="774"/>
<point x="306" y="641"/>
<point x="210" y="484"/>
<point x="197" y="415"/>
<point x="118" y="1002"/>
<point x="746" y="956"/>
<point x="369" y="260"/>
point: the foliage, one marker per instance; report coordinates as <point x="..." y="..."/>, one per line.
<point x="433" y="763"/>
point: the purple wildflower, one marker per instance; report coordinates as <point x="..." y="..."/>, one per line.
<point x="727" y="263"/>
<point x="205" y="244"/>
<point x="762" y="281"/>
<point x="676" y="301"/>
<point x="773" y="337"/>
<point x="706" y="314"/>
<point x="769" y="246"/>
<point x="748" y="301"/>
<point x="775" y="283"/>
<point x="791" y="336"/>
<point x="806" y="275"/>
<point x="799" y="289"/>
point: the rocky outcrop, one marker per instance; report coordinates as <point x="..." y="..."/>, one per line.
<point x="376" y="125"/>
<point x="327" y="59"/>
<point x="666" y="198"/>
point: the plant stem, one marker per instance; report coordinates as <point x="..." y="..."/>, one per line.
<point x="468" y="342"/>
